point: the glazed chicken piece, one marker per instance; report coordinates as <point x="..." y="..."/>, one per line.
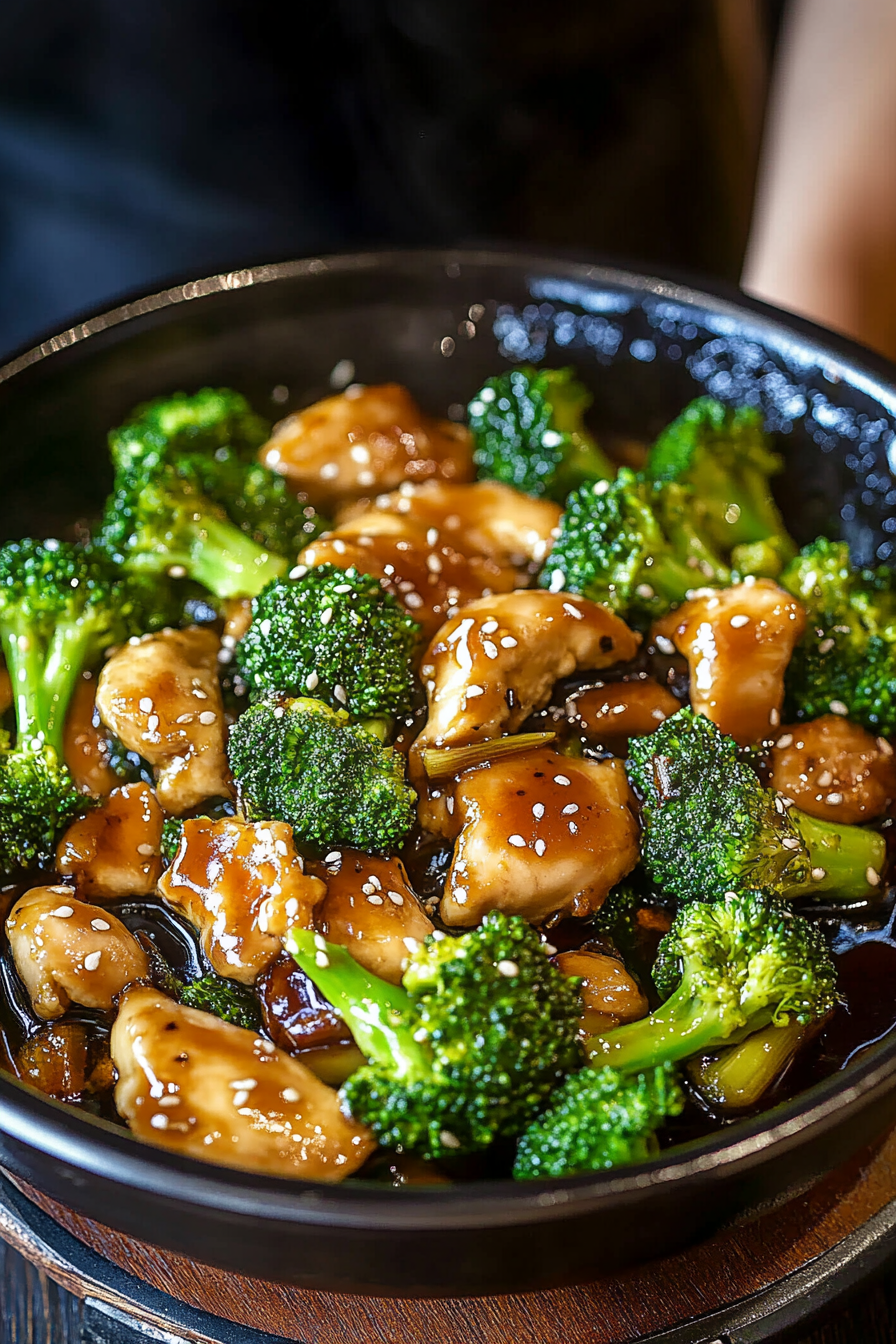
<point x="498" y="658"/>
<point x="614" y="713"/>
<point x="609" y="993"/>
<point x="539" y="834"/>
<point x="69" y="952"/>
<point x="115" y="850"/>
<point x="243" y="886"/>
<point x="738" y="642"/>
<point x="191" y="1083"/>
<point x="365" y="441"/>
<point x="486" y="518"/>
<point x="835" y="770"/>
<point x="160" y="695"/>
<point x="429" y="577"/>
<point x="85" y="746"/>
<point x="371" y="909"/>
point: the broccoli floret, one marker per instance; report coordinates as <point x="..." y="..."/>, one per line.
<point x="172" y="832"/>
<point x="227" y="999"/>
<point x="258" y="500"/>
<point x="635" y="546"/>
<point x="529" y="431"/>
<point x="725" y="969"/>
<point x="846" y="660"/>
<point x="60" y="606"/>
<point x="469" y="1047"/>
<point x="726" y="457"/>
<point x="332" y="780"/>
<point x="710" y="827"/>
<point x="599" y="1118"/>
<point x="336" y="633"/>
<point x="159" y="520"/>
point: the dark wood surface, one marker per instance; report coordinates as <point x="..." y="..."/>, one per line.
<point x="36" y="1311"/>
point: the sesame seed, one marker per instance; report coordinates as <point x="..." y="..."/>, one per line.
<point x="872" y="877"/>
<point x="334" y="856"/>
<point x="825" y="646"/>
<point x="321" y="959"/>
<point x="374" y="899"/>
<point x="664" y="645"/>
<point x="329" y="471"/>
<point x="152" y="723"/>
<point x="508" y="968"/>
<point x="561" y="779"/>
<point x="508" y="642"/>
<point x="207" y="717"/>
<point x="411" y="944"/>
<point x="146" y="850"/>
<point x="375" y="882"/>
<point x="312" y="681"/>
<point x="159" y="1121"/>
<point x="92" y="961"/>
<point x="473" y="691"/>
<point x="790" y="842"/>
<point x="825" y="779"/>
<point x="834" y="799"/>
<point x="774" y="717"/>
<point x="320" y="942"/>
<point x="819" y="874"/>
<point x="290" y="1094"/>
<point x="490" y="626"/>
<point x="240" y="1099"/>
<point x="169" y="1101"/>
<point x="738" y="622"/>
<point x="146" y="705"/>
<point x="432" y="536"/>
<point x="395" y="897"/>
<point x="100" y="925"/>
<point x="177" y="572"/>
<point x="570" y="809"/>
<point x="491" y="650"/>
<point x="339" y="693"/>
<point x="838" y="707"/>
<point x="538" y="811"/>
<point x="573" y="828"/>
<point x="63" y="912"/>
<point x="539" y="847"/>
<point x="448" y="1140"/>
<point x="199" y="693"/>
<point x="645" y="590"/>
<point x="326" y="616"/>
<point x="785" y="741"/>
<point x="298" y="571"/>
<point x="517" y="841"/>
<point x="573" y="611"/>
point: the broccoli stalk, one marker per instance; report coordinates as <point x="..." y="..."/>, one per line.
<point x="736" y="1078"/>
<point x="60" y="606"/>
<point x="599" y="1118"/>
<point x="634" y="546"/>
<point x="468" y="1048"/>
<point x="725" y="456"/>
<point x="227" y="999"/>
<point x="334" y="632"/>
<point x="726" y="969"/>
<point x="710" y="827"/>
<point x="846" y="660"/>
<point x="332" y="780"/>
<point x="529" y="432"/>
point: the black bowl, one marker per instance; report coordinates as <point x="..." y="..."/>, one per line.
<point x="441" y="322"/>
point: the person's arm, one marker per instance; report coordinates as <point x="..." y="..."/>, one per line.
<point x="823" y="239"/>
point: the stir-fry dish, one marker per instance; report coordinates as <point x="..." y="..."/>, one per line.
<point x="390" y="797"/>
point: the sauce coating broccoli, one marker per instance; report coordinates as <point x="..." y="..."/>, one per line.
<point x="530" y="433"/>
<point x="710" y="827"/>
<point x="336" y="634"/>
<point x="846" y="660"/>
<point x="469" y="1047"/>
<point x="332" y="780"/>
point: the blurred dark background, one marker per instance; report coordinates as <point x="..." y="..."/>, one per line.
<point x="143" y="141"/>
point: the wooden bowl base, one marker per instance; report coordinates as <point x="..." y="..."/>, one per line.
<point x="833" y="1232"/>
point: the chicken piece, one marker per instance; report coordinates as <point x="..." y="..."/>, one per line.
<point x="115" y="850"/>
<point x="609" y="993"/>
<point x="55" y="1060"/>
<point x="486" y="518"/>
<point x="613" y="713"/>
<point x="85" y="746"/>
<point x="371" y="909"/>
<point x="69" y="952"/>
<point x="160" y="695"/>
<point x="367" y="440"/>
<point x="738" y="642"/>
<point x="498" y="658"/>
<point x="835" y="770"/>
<point x="191" y="1083"/>
<point x="243" y="885"/>
<point x="540" y="834"/>
<point x="430" y="578"/>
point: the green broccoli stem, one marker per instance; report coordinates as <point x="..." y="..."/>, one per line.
<point x="738" y="1076"/>
<point x="677" y="1030"/>
<point x="215" y="553"/>
<point x="848" y="859"/>
<point x="25" y="665"/>
<point x="587" y="460"/>
<point x="373" y="1010"/>
<point x="671" y="579"/>
<point x="73" y="645"/>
